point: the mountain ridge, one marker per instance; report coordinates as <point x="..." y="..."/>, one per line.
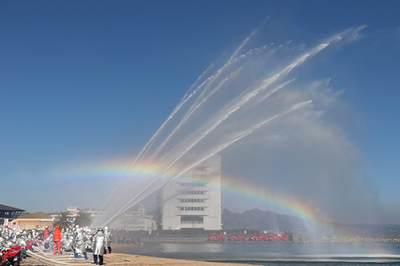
<point x="259" y="220"/>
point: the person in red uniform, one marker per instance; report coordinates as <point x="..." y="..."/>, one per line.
<point x="46" y="233"/>
<point x="57" y="240"/>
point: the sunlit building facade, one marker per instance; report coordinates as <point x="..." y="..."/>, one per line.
<point x="36" y="221"/>
<point x="193" y="201"/>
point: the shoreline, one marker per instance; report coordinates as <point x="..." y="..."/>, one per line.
<point x="303" y="240"/>
<point x="123" y="254"/>
<point x="119" y="257"/>
<point x="132" y="259"/>
<point x="146" y="260"/>
<point x="158" y="261"/>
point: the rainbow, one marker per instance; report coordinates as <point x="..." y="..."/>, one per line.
<point x="267" y="199"/>
<point x="258" y="196"/>
<point x="261" y="197"/>
<point x="254" y="195"/>
<point x="250" y="193"/>
<point x="102" y="170"/>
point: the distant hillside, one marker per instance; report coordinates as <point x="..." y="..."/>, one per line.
<point x="261" y="220"/>
<point x="271" y="221"/>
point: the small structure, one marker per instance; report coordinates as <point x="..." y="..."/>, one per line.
<point x="135" y="221"/>
<point x="8" y="213"/>
<point x="37" y="221"/>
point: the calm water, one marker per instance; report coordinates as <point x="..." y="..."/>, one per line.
<point x="278" y="254"/>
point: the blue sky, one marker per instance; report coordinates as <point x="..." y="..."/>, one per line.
<point x="89" y="80"/>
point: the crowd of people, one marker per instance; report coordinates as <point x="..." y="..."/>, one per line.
<point x="79" y="240"/>
<point x="122" y="236"/>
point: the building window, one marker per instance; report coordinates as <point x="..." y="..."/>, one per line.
<point x="192" y="192"/>
<point x="192" y="184"/>
<point x="192" y="200"/>
<point x="192" y="220"/>
<point x="192" y="208"/>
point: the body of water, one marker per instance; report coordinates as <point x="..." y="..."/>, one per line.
<point x="278" y="254"/>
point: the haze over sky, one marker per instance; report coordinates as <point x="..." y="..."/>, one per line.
<point x="85" y="84"/>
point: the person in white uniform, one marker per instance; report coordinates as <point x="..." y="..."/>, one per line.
<point x="99" y="244"/>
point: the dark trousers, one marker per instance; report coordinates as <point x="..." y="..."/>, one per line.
<point x="100" y="259"/>
<point x="84" y="255"/>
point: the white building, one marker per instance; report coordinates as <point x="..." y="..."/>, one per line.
<point x="131" y="221"/>
<point x="193" y="201"/>
<point x="135" y="221"/>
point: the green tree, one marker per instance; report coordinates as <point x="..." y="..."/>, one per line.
<point x="63" y="221"/>
<point x="83" y="219"/>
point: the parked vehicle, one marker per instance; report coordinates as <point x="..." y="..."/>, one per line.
<point x="277" y="236"/>
<point x="259" y="237"/>
<point x="11" y="256"/>
<point x="236" y="237"/>
<point x="217" y="237"/>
